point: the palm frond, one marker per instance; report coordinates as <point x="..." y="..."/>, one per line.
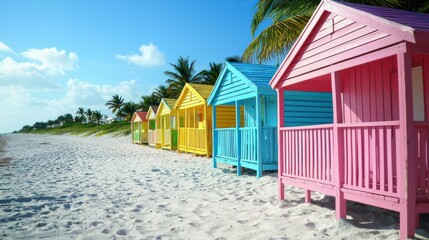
<point x="274" y="42"/>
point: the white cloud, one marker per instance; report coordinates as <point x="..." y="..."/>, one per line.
<point x="4" y="47"/>
<point x="52" y="61"/>
<point x="24" y="106"/>
<point x="36" y="73"/>
<point x="85" y="93"/>
<point x="149" y="56"/>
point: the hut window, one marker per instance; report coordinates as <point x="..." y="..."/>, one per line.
<point x="418" y="94"/>
<point x="173" y="122"/>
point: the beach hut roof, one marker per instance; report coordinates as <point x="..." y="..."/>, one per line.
<point x="201" y="91"/>
<point x="140" y="115"/>
<point x="169" y="102"/>
<point x="151" y="112"/>
<point x="256" y="76"/>
<point x="389" y="25"/>
<point x="165" y="106"/>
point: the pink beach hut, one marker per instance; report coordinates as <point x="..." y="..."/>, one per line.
<point x="375" y="61"/>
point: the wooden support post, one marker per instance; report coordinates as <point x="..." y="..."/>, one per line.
<point x="214" y="153"/>
<point x="194" y="140"/>
<point x="238" y="137"/>
<point x="178" y="131"/>
<point x="307" y="197"/>
<point x="281" y="146"/>
<point x="206" y="127"/>
<point x="338" y="146"/>
<point x="407" y="151"/>
<point x="186" y="129"/>
<point x="258" y="135"/>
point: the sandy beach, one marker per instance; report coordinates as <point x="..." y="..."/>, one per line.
<point x="71" y="187"/>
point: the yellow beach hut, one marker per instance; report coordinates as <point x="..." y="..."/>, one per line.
<point x="151" y="118"/>
<point x="195" y="119"/>
<point x="166" y="135"/>
<point x="139" y="127"/>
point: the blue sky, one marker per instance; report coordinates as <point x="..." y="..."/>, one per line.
<point x="56" y="56"/>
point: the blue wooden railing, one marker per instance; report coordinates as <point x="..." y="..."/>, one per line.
<point x="227" y="144"/>
<point x="248" y="137"/>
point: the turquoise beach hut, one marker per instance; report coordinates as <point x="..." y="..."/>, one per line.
<point x="245" y="86"/>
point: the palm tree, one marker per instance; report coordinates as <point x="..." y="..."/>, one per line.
<point x="234" y="59"/>
<point x="289" y="18"/>
<point x="80" y="114"/>
<point x="127" y="110"/>
<point x="97" y="116"/>
<point x="184" y="72"/>
<point x="161" y="92"/>
<point x="147" y="101"/>
<point x="115" y="103"/>
<point x="89" y="115"/>
<point x="210" y="76"/>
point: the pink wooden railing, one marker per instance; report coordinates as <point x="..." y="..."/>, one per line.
<point x="370" y="154"/>
<point x="422" y="181"/>
<point x="308" y="153"/>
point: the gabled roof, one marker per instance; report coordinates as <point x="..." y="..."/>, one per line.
<point x="202" y="91"/>
<point x="141" y="115"/>
<point x="169" y="102"/>
<point x="257" y="76"/>
<point x="404" y="25"/>
<point x="165" y="103"/>
<point x="414" y="20"/>
<point x="151" y="109"/>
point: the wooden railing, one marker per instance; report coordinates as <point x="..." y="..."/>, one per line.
<point x="144" y="137"/>
<point x="158" y="136"/>
<point x="248" y="149"/>
<point x="370" y="157"/>
<point x="182" y="138"/>
<point x="152" y="137"/>
<point x="308" y="152"/>
<point x="226" y="143"/>
<point x="191" y="138"/>
<point x="422" y="181"/>
<point x="167" y="137"/>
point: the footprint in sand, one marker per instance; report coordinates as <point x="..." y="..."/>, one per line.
<point x="41" y="225"/>
<point x="122" y="232"/>
<point x="310" y="225"/>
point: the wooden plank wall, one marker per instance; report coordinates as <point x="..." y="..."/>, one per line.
<point x="370" y="92"/>
<point x="422" y="133"/>
<point x="189" y="100"/>
<point x="307" y="108"/>
<point x="232" y="87"/>
<point x="337" y="39"/>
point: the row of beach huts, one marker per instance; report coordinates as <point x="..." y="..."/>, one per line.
<point x="345" y="114"/>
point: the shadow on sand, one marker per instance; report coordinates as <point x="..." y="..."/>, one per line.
<point x="4" y="161"/>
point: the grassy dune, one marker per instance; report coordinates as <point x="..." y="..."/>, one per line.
<point x="116" y="129"/>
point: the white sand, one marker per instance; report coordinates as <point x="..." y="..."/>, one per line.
<point x="66" y="187"/>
